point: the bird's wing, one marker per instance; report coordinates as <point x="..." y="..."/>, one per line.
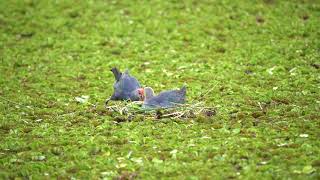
<point x="124" y="88"/>
<point x="129" y="83"/>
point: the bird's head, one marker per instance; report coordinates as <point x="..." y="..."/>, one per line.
<point x="148" y="93"/>
<point x="141" y="94"/>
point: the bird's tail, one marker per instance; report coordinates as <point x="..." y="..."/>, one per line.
<point x="117" y="74"/>
<point x="183" y="89"/>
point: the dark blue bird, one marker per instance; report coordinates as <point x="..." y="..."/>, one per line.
<point x="165" y="99"/>
<point x="126" y="87"/>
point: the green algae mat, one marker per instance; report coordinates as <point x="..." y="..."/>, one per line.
<point x="258" y="60"/>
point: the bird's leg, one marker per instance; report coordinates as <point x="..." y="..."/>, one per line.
<point x="107" y="101"/>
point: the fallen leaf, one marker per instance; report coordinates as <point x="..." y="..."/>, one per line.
<point x="137" y="160"/>
<point x="270" y="71"/>
<point x="174" y="153"/>
<point x="157" y="161"/>
<point x="38" y="158"/>
<point x="121" y="165"/>
<point x="82" y="99"/>
<point x="304" y="135"/>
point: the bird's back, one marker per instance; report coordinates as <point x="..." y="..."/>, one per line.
<point x="127" y="83"/>
<point x="167" y="98"/>
<point x="124" y="87"/>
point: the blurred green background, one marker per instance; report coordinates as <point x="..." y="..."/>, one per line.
<point x="261" y="58"/>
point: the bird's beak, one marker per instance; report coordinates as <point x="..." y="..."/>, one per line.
<point x="141" y="93"/>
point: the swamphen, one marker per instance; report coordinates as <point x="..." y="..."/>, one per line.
<point x="126" y="87"/>
<point x="165" y="99"/>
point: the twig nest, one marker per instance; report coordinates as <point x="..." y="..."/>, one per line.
<point x="127" y="111"/>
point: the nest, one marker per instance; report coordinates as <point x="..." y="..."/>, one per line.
<point x="181" y="111"/>
<point x="194" y="109"/>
